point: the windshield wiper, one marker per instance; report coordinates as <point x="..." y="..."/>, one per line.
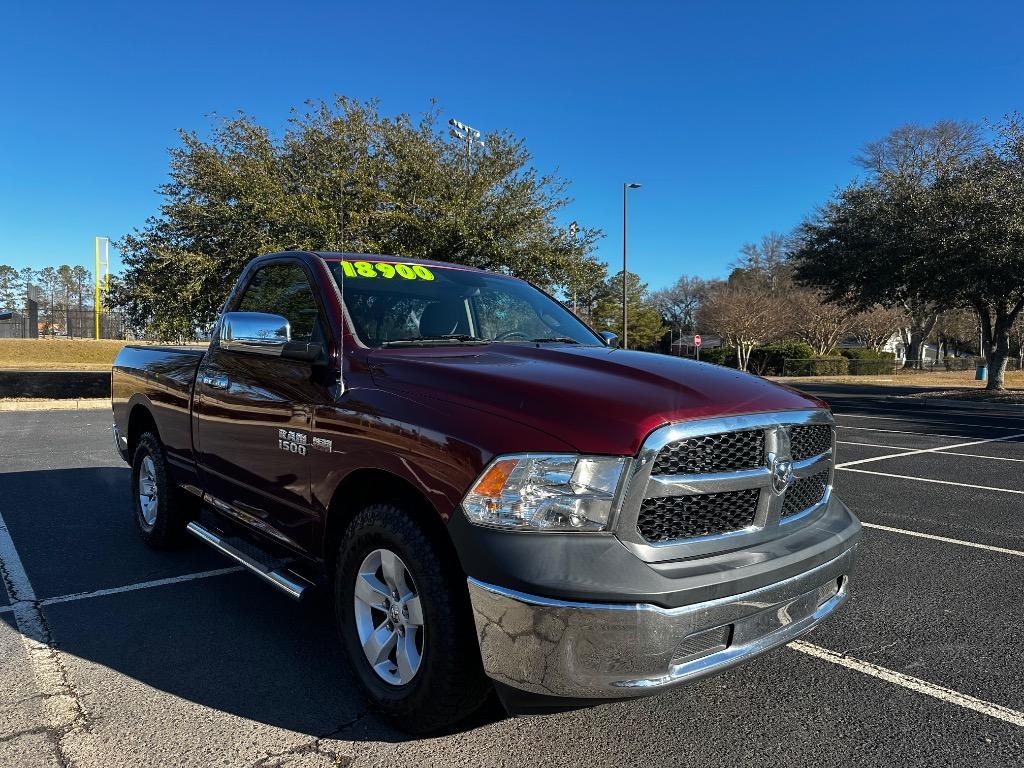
<point x="459" y="337"/>
<point x="555" y="340"/>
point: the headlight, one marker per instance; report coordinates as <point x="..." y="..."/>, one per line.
<point x="546" y="492"/>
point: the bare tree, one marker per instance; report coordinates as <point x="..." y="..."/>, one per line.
<point x="818" y="323"/>
<point x="745" y="313"/>
<point x="919" y="153"/>
<point x="956" y="328"/>
<point x="678" y="304"/>
<point x="766" y="260"/>
<point x="876" y="326"/>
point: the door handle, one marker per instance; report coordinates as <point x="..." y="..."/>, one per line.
<point x="220" y="381"/>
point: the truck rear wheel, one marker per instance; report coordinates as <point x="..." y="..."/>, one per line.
<point x="404" y="619"/>
<point x="161" y="511"/>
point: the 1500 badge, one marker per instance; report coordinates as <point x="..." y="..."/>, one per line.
<point x="292" y="442"/>
<point x="297" y="442"/>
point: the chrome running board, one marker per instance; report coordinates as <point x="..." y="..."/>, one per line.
<point x="273" y="572"/>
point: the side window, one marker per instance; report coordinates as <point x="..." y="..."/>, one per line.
<point x="282" y="289"/>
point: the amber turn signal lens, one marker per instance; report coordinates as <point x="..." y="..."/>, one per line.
<point x="494" y="480"/>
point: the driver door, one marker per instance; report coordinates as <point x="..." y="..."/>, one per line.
<point x="253" y="414"/>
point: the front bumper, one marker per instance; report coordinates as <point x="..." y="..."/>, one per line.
<point x="577" y="650"/>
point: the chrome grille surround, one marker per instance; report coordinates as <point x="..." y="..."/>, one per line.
<point x="767" y="519"/>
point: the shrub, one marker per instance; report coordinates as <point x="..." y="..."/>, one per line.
<point x="864" y="353"/>
<point x="719" y="356"/>
<point x="817" y="366"/>
<point x="770" y="359"/>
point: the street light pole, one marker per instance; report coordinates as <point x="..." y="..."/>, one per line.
<point x="625" y="263"/>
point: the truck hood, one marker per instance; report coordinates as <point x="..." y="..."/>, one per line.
<point x="599" y="400"/>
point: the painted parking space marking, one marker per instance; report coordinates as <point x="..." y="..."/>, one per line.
<point x="64" y="710"/>
<point x="876" y="445"/>
<point x="926" y="421"/>
<point x="929" y="480"/>
<point x="919" y="451"/>
<point x="917" y="685"/>
<point x="944" y="539"/>
<point x="141" y="585"/>
<point x="977" y="456"/>
<point x="902" y="431"/>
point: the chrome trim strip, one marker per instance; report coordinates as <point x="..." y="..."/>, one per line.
<point x="291" y="584"/>
<point x="812" y="466"/>
<point x="718" y="482"/>
<point x="768" y="516"/>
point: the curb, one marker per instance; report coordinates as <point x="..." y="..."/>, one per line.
<point x="82" y="404"/>
<point x="968" y="405"/>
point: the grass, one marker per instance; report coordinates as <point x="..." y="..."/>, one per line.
<point x="945" y="379"/>
<point x="59" y="354"/>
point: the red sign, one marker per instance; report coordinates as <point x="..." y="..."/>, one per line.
<point x="696" y="341"/>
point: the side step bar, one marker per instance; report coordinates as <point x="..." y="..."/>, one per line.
<point x="290" y="583"/>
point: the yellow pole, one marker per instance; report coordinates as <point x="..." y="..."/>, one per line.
<point x="97" y="301"/>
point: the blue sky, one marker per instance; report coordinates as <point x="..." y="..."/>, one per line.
<point x="738" y="118"/>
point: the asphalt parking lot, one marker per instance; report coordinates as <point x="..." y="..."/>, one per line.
<point x="114" y="655"/>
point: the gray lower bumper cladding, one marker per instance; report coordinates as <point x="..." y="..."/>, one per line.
<point x="599" y="651"/>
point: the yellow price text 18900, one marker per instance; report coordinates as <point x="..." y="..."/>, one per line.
<point x="386" y="270"/>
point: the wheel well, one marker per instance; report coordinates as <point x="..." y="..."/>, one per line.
<point x="139" y="421"/>
<point x="368" y="486"/>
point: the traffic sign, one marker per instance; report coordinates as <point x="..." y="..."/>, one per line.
<point x="696" y="340"/>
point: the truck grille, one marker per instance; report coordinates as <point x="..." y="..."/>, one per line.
<point x="804" y="493"/>
<point x="808" y="440"/>
<point x="712" y="453"/>
<point x="706" y="485"/>
<point x="686" y="517"/>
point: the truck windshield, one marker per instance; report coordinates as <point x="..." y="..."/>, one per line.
<point x="392" y="303"/>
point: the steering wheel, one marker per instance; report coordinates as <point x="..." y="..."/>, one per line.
<point x="512" y="334"/>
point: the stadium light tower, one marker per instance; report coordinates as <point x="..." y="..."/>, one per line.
<point x="467" y="134"/>
<point x="625" y="328"/>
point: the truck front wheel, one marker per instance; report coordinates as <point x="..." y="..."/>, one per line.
<point x="404" y="620"/>
<point x="161" y="511"/>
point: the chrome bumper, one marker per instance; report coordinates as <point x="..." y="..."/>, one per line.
<point x="591" y="650"/>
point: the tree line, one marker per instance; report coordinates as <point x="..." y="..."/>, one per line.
<point x="59" y="289"/>
<point x="929" y="237"/>
<point x="929" y="244"/>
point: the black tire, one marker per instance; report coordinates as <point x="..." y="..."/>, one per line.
<point x="450" y="683"/>
<point x="173" y="507"/>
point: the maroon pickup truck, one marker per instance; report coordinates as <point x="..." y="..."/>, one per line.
<point x="494" y="495"/>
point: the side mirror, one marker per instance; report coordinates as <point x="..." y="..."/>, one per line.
<point x="254" y="332"/>
<point x="610" y="339"/>
<point x="6" y="316"/>
<point x="260" y="333"/>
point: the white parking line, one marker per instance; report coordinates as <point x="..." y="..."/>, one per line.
<point x="876" y="445"/>
<point x="944" y="539"/>
<point x="64" y="710"/>
<point x="946" y="695"/>
<point x="900" y="431"/>
<point x="930" y="480"/>
<point x="929" y="450"/>
<point x="925" y="421"/>
<point x="141" y="585"/>
<point x="937" y="450"/>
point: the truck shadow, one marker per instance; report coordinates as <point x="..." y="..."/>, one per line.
<point x="227" y="642"/>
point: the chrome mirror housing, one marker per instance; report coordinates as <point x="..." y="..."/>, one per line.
<point x="254" y="332"/>
<point x="610" y="339"/>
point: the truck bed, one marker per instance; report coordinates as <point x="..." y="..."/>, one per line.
<point x="162" y="378"/>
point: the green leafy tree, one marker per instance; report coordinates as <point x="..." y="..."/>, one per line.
<point x="645" y="324"/>
<point x="341" y="177"/>
<point x="9" y="288"/>
<point x="956" y="240"/>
